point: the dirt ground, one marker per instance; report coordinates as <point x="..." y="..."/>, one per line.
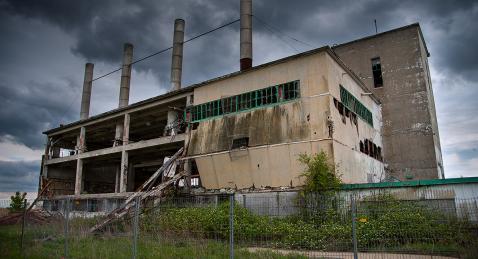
<point x="3" y="212"/>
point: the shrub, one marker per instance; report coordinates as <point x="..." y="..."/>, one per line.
<point x="17" y="202"/>
<point x="386" y="223"/>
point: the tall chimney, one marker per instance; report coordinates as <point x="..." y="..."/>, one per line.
<point x="177" y="59"/>
<point x="125" y="75"/>
<point x="246" y="34"/>
<point x="86" y="96"/>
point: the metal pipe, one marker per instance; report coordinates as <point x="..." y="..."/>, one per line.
<point x="246" y="34"/>
<point x="125" y="75"/>
<point x="86" y="96"/>
<point x="177" y="57"/>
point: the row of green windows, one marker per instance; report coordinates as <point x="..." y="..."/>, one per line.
<point x="246" y="101"/>
<point x="355" y="105"/>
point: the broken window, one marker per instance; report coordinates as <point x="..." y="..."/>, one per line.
<point x="289" y="91"/>
<point x="361" y="147"/>
<point x="355" y="106"/>
<point x="377" y="72"/>
<point x="240" y="143"/>
<point x="243" y="102"/>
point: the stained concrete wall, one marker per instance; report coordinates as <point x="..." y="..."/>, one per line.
<point x="352" y="164"/>
<point x="278" y="134"/>
<point x="410" y="133"/>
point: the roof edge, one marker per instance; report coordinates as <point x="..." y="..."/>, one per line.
<point x="415" y="183"/>
<point x="325" y="48"/>
<point x="416" y="24"/>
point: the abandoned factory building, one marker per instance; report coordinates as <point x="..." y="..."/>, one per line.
<point x="368" y="104"/>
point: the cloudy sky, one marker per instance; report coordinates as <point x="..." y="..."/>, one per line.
<point x="45" y="44"/>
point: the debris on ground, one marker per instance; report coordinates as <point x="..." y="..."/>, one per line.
<point x="37" y="216"/>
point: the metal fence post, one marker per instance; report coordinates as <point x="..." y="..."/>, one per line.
<point x="354" y="227"/>
<point x="135" y="225"/>
<point x="231" y="226"/>
<point x="23" y="222"/>
<point x="67" y="219"/>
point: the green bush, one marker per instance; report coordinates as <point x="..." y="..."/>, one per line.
<point x="383" y="223"/>
<point x="17" y="202"/>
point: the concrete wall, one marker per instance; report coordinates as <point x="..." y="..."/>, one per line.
<point x="410" y="132"/>
<point x="458" y="200"/>
<point x="352" y="164"/>
<point x="278" y="134"/>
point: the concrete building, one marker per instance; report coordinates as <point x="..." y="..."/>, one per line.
<point x="394" y="66"/>
<point x="246" y="130"/>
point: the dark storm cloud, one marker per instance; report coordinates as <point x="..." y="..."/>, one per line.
<point x="102" y="26"/>
<point x="31" y="102"/>
<point x="19" y="176"/>
<point x="26" y="110"/>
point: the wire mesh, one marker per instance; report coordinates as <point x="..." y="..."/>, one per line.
<point x="268" y="225"/>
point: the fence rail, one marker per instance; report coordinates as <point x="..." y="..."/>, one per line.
<point x="228" y="226"/>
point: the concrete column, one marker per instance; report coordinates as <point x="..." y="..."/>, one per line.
<point x="177" y="58"/>
<point x="187" y="170"/>
<point x="79" y="176"/>
<point x="47" y="147"/>
<point x="86" y="96"/>
<point x="126" y="129"/>
<point x="246" y="34"/>
<point x="124" y="171"/>
<point x="126" y="75"/>
<point x="172" y="118"/>
<point x="80" y="141"/>
<point x="118" y="133"/>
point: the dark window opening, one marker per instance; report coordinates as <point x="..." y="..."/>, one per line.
<point x="377" y="72"/>
<point x="341" y="109"/>
<point x="371" y="149"/>
<point x="240" y="143"/>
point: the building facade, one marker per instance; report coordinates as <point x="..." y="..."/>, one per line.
<point x="394" y="66"/>
<point x="246" y="130"/>
<point x="368" y="104"/>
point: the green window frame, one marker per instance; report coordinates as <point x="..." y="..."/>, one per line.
<point x="355" y="106"/>
<point x="271" y="95"/>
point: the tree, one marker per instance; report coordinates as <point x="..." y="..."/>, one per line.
<point x="319" y="173"/>
<point x="17" y="203"/>
<point x="321" y="182"/>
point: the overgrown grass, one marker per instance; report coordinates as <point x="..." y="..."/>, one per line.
<point x="387" y="225"/>
<point x="120" y="247"/>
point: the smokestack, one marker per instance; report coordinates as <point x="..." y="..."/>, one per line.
<point x="86" y="96"/>
<point x="125" y="75"/>
<point x="177" y="59"/>
<point x="246" y="34"/>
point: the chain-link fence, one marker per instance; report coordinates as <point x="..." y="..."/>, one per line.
<point x="222" y="226"/>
